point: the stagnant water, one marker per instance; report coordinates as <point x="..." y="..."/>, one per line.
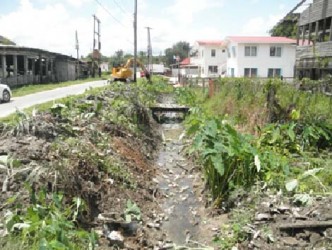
<point x="176" y="182"/>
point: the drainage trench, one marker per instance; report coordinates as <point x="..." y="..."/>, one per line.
<point x="176" y="182"/>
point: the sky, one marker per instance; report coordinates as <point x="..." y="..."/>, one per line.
<point x="51" y="24"/>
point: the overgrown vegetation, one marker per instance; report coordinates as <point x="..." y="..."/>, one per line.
<point x="261" y="131"/>
<point x="88" y="143"/>
<point x="48" y="223"/>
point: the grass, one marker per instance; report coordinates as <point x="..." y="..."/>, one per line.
<point x="40" y="107"/>
<point x="35" y="88"/>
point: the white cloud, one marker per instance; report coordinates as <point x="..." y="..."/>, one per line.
<point x="259" y="26"/>
<point x="52" y="26"/>
<point x="77" y="3"/>
<point x="282" y="7"/>
<point x="184" y="10"/>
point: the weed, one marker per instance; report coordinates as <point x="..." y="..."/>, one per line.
<point x="47" y="223"/>
<point x="132" y="211"/>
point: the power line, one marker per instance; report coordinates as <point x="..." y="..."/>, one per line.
<point x="111" y="14"/>
<point x="108" y="12"/>
<point x="120" y="7"/>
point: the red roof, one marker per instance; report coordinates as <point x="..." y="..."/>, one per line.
<point x="185" y="61"/>
<point x="261" y="39"/>
<point x="304" y="43"/>
<point x="211" y="42"/>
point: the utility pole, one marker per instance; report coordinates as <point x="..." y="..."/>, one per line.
<point x="149" y="52"/>
<point x="78" y="58"/>
<point x="135" y="41"/>
<point x="95" y="49"/>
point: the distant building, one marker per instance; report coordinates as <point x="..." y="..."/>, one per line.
<point x="209" y="57"/>
<point x="189" y="69"/>
<point x="21" y="65"/>
<point x="158" y="69"/>
<point x="314" y="39"/>
<point x="104" y="66"/>
<point x="249" y="56"/>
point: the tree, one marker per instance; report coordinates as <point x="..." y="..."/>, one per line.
<point x="117" y="58"/>
<point x="6" y="41"/>
<point x="142" y="56"/>
<point x="286" y="27"/>
<point x="119" y="54"/>
<point x="180" y="49"/>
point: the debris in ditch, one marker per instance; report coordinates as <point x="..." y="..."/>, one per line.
<point x="182" y="167"/>
<point x="263" y="217"/>
<point x="116" y="239"/>
<point x="154" y="225"/>
<point x="305" y="225"/>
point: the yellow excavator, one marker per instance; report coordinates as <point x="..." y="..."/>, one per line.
<point x="124" y="73"/>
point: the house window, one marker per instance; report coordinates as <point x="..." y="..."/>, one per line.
<point x="274" y="73"/>
<point x="275" y="51"/>
<point x="213" y="53"/>
<point x="213" y="69"/>
<point x="250" y="50"/>
<point x="250" y="72"/>
<point x="232" y="72"/>
<point x="234" y="51"/>
<point x="228" y="53"/>
<point x="223" y="51"/>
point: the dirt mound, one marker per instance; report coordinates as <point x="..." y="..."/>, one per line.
<point x="89" y="149"/>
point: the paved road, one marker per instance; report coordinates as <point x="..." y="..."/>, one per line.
<point x="45" y="96"/>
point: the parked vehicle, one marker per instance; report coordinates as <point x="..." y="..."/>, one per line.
<point x="5" y="93"/>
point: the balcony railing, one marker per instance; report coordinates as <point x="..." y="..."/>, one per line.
<point x="323" y="49"/>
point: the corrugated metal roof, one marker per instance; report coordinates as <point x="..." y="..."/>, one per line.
<point x="185" y="61"/>
<point x="4" y="47"/>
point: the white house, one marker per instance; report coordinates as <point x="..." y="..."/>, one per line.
<point x="260" y="56"/>
<point x="104" y="67"/>
<point x="210" y="57"/>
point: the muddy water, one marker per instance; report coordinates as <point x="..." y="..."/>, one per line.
<point x="181" y="206"/>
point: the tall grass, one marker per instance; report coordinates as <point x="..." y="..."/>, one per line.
<point x="278" y="151"/>
<point x="244" y="101"/>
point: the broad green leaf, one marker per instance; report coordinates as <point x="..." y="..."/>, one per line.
<point x="275" y="136"/>
<point x="54" y="244"/>
<point x="209" y="151"/>
<point x="303" y="199"/>
<point x="43" y="245"/>
<point x="291" y="134"/>
<point x="128" y="218"/>
<point x="291" y="185"/>
<point x="311" y="172"/>
<point x="198" y="141"/>
<point x="218" y="165"/>
<point x="211" y="128"/>
<point x="295" y="114"/>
